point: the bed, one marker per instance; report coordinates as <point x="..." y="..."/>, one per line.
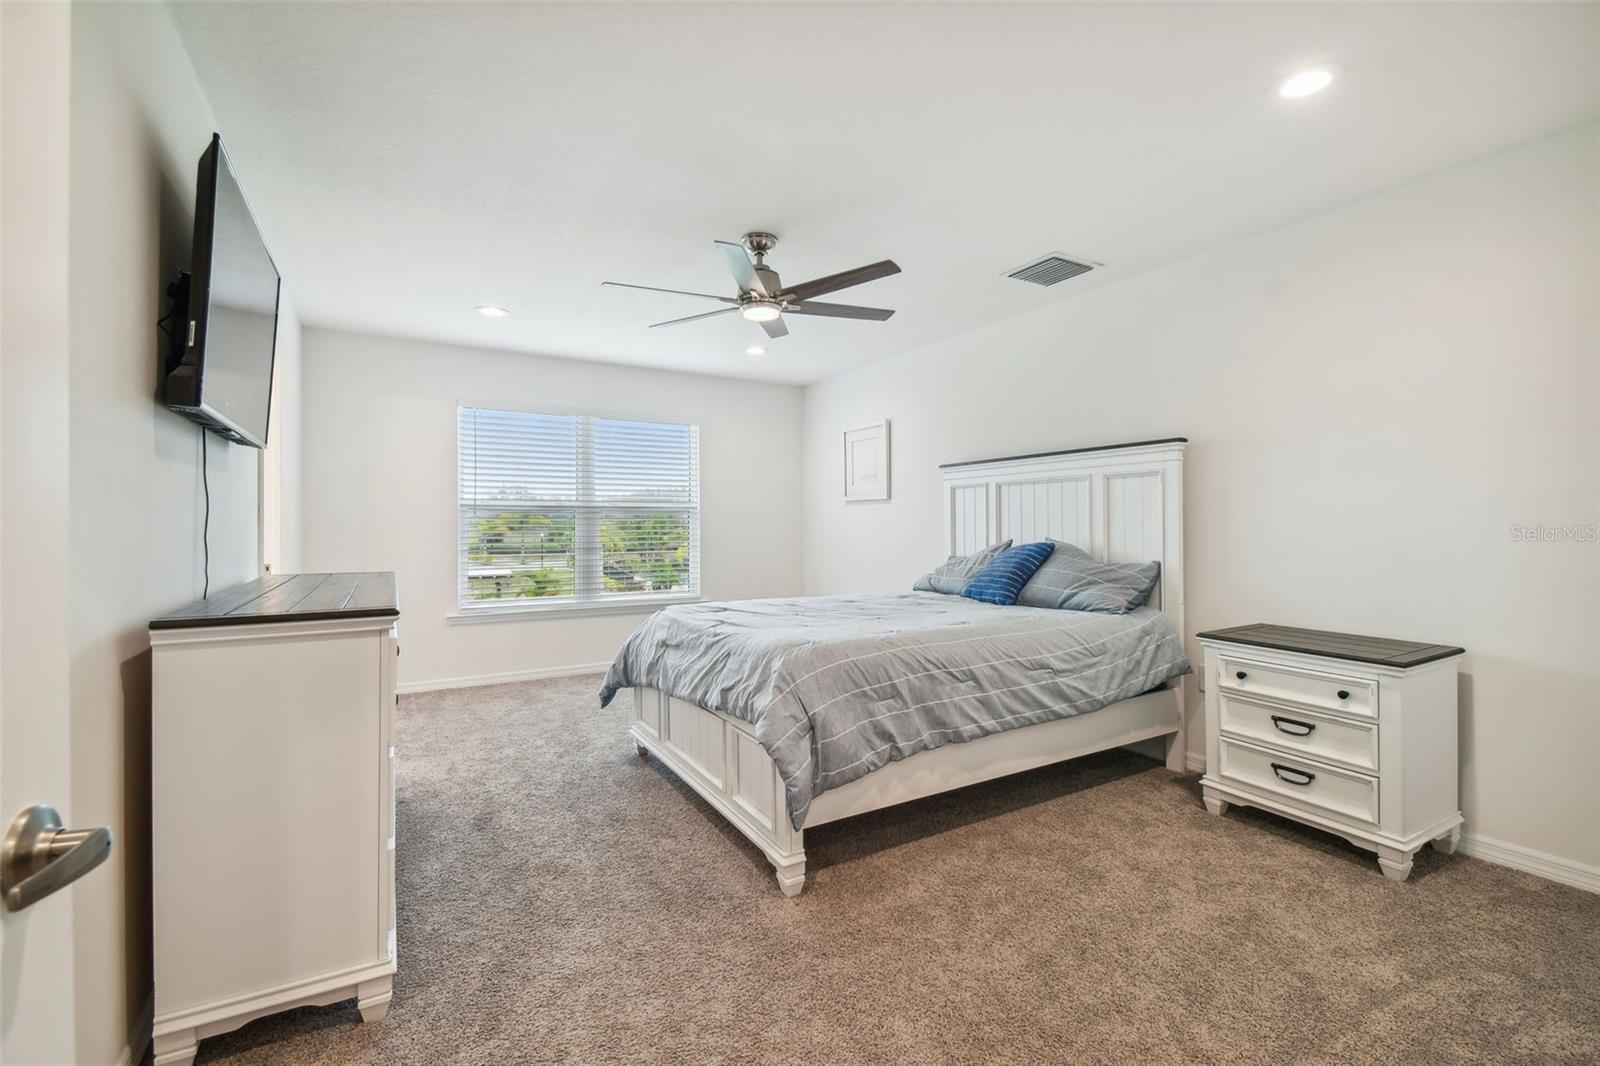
<point x="789" y="714"/>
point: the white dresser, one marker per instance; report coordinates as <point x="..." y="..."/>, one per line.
<point x="1355" y="735"/>
<point x="272" y="803"/>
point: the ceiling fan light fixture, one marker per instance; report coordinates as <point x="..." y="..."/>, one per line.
<point x="764" y="299"/>
<point x="761" y="311"/>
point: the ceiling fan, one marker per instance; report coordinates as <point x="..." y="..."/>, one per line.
<point x="763" y="298"/>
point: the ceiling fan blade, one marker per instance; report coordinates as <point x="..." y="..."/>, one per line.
<point x="695" y="318"/>
<point x="814" y="307"/>
<point x="678" y="292"/>
<point x="775" y="328"/>
<point x="739" y="265"/>
<point x="842" y="280"/>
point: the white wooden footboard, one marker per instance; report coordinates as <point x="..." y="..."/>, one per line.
<point x="720" y="758"/>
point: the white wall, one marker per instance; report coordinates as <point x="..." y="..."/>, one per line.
<point x="281" y="461"/>
<point x="139" y="122"/>
<point x="1374" y="397"/>
<point x="380" y="485"/>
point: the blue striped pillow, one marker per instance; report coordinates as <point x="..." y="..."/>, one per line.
<point x="1002" y="580"/>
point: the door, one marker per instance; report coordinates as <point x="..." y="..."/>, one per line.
<point x="37" y="1020"/>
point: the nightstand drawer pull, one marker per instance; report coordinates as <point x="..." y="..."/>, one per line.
<point x="1241" y="675"/>
<point x="1344" y="694"/>
<point x="1281" y="723"/>
<point x="1282" y="770"/>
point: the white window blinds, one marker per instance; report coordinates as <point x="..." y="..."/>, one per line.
<point x="575" y="509"/>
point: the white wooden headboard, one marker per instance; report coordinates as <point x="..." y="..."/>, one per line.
<point x="1122" y="504"/>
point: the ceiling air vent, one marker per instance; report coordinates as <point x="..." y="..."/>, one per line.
<point x="1051" y="269"/>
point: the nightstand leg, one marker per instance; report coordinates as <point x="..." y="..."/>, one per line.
<point x="1214" y="803"/>
<point x="176" y="1048"/>
<point x="1396" y="864"/>
<point x="372" y="998"/>
<point x="1447" y="844"/>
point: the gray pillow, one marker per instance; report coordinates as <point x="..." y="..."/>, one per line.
<point x="955" y="573"/>
<point x="1073" y="580"/>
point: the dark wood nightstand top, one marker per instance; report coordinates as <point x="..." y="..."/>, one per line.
<point x="1382" y="651"/>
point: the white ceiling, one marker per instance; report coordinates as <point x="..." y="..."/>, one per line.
<point x="408" y="162"/>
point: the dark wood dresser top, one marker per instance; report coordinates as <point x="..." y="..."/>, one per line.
<point x="290" y="598"/>
<point x="1382" y="651"/>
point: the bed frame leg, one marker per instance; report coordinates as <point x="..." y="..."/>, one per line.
<point x="791" y="877"/>
<point x="1177" y="752"/>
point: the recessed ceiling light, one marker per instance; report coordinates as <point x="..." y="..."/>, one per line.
<point x="1306" y="82"/>
<point x="755" y="349"/>
<point x="491" y="311"/>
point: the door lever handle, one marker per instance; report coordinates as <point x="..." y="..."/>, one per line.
<point x="39" y="857"/>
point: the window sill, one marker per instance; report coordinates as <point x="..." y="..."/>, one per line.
<point x="534" y="612"/>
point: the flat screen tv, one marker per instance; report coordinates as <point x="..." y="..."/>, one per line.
<point x="219" y="372"/>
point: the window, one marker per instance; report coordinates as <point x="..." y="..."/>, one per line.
<point x="572" y="509"/>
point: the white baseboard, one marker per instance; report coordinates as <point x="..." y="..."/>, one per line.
<point x="138" y="1036"/>
<point x="1538" y="863"/>
<point x="1195" y="761"/>
<point x="474" y="681"/>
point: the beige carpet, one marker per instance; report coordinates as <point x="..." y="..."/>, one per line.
<point x="562" y="900"/>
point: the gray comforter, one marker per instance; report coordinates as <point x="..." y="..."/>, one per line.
<point x="838" y="686"/>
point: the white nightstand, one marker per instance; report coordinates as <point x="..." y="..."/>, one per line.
<point x="1354" y="735"/>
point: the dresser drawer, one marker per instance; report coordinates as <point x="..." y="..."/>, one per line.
<point x="1334" y="692"/>
<point x="1311" y="784"/>
<point x="1342" y="741"/>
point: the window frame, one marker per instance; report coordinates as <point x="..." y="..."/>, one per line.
<point x="467" y="611"/>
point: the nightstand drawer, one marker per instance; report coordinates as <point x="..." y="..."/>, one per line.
<point x="1333" y="692"/>
<point x="1300" y="732"/>
<point x="1311" y="784"/>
